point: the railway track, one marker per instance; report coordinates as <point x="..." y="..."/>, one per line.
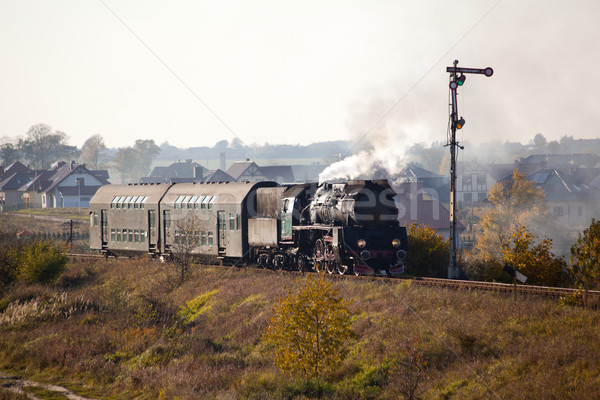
<point x="440" y="282"/>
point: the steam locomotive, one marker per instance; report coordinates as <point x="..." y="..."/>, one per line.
<point x="347" y="227"/>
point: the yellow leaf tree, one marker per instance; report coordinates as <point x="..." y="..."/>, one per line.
<point x="536" y="261"/>
<point x="585" y="258"/>
<point x="517" y="202"/>
<point x="310" y="329"/>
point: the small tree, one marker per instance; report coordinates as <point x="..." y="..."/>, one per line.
<point x="536" y="261"/>
<point x="585" y="258"/>
<point x="187" y="239"/>
<point x="410" y="369"/>
<point x="41" y="262"/>
<point x="92" y="149"/>
<point x="429" y="252"/>
<point x="310" y="329"/>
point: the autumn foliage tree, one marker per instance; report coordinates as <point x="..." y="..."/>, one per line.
<point x="429" y="252"/>
<point x="517" y="203"/>
<point x="310" y="329"/>
<point x="534" y="260"/>
<point x="509" y="234"/>
<point x="585" y="258"/>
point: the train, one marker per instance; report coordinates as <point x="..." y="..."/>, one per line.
<point x="334" y="227"/>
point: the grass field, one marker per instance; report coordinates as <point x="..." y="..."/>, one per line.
<point x="126" y="329"/>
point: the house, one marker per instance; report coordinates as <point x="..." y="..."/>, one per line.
<point x="63" y="185"/>
<point x="217" y="175"/>
<point x="31" y="192"/>
<point x="416" y="206"/>
<point x="247" y="171"/>
<point x="572" y="201"/>
<point x="278" y="173"/>
<point x="10" y="197"/>
<point x="187" y="171"/>
<point x="434" y="185"/>
<point x="473" y="181"/>
<point x="564" y="162"/>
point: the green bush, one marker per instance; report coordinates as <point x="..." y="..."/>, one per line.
<point x="41" y="262"/>
<point x="10" y="258"/>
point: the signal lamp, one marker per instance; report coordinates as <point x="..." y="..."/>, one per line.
<point x="461" y="79"/>
<point x="460" y="123"/>
<point x="361" y="243"/>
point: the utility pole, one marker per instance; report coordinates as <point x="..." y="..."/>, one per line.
<point x="456" y="122"/>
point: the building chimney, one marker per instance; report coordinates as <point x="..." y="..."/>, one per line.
<point x="222" y="165"/>
<point x="198" y="172"/>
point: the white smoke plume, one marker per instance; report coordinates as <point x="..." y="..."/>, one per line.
<point x="383" y="132"/>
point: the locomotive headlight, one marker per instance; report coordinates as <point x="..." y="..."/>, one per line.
<point x="396" y="243"/>
<point x="361" y="243"/>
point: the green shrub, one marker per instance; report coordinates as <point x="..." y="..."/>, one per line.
<point x="41" y="262"/>
<point x="10" y="258"/>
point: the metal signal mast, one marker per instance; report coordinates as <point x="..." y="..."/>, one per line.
<point x="457" y="78"/>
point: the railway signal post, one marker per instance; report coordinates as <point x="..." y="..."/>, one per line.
<point x="457" y="78"/>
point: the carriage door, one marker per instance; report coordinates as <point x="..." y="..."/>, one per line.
<point x="104" y="230"/>
<point x="152" y="230"/>
<point x="222" y="238"/>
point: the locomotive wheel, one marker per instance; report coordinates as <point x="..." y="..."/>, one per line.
<point x="278" y="262"/>
<point x="342" y="269"/>
<point x="301" y="263"/>
<point x="331" y="266"/>
<point x="318" y="256"/>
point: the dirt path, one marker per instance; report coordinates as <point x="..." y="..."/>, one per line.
<point x="16" y="384"/>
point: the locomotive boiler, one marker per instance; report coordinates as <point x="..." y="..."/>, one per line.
<point x="354" y="203"/>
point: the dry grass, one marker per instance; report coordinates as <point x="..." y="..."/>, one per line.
<point x="128" y="329"/>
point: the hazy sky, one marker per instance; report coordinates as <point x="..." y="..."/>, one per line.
<point x="195" y="72"/>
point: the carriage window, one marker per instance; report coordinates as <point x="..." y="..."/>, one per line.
<point x="130" y="235"/>
<point x="211" y="238"/>
<point x="178" y="202"/>
<point x="136" y="235"/>
<point x="112" y="235"/>
<point x="231" y="221"/>
<point x="210" y="203"/>
<point x="118" y="235"/>
<point x="238" y="222"/>
<point x="142" y="235"/>
<point x="186" y="201"/>
<point x="205" y="202"/>
<point x="203" y="238"/>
